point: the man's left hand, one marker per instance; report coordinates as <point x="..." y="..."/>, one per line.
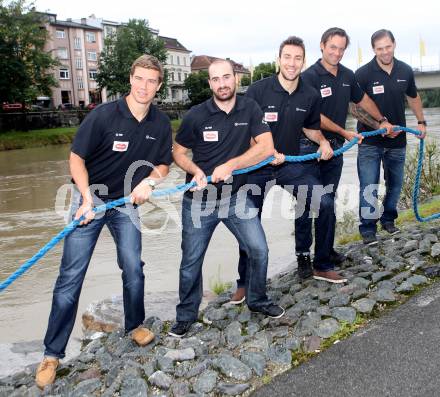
<point x="222" y="173"/>
<point x="326" y="150"/>
<point x="422" y="129"/>
<point x="141" y="193"/>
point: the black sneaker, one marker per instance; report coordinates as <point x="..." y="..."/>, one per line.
<point x="304" y="266"/>
<point x="390" y="228"/>
<point x="272" y="310"/>
<point x="336" y="257"/>
<point x="180" y="328"/>
<point x="369" y="239"/>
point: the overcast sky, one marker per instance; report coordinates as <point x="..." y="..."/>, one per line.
<point x="251" y="31"/>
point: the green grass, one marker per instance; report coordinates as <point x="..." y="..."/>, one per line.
<point x="36" y="138"/>
<point x="175" y="124"/>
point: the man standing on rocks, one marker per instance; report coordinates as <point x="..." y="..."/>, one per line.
<point x="292" y="108"/>
<point x="337" y="87"/>
<point x="387" y="81"/>
<point x="122" y="147"/>
<point x="219" y="132"/>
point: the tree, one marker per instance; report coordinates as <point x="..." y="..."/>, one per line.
<point x="263" y="70"/>
<point x="245" y="81"/>
<point x="25" y="68"/>
<point x="121" y="50"/>
<point x="198" y="88"/>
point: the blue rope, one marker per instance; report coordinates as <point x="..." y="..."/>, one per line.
<point x="186" y="186"/>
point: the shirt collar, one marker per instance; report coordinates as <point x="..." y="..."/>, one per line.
<point x="376" y="67"/>
<point x="213" y="108"/>
<point x="276" y="85"/>
<point x="125" y="111"/>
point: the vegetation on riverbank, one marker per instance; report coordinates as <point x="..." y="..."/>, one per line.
<point x="53" y="136"/>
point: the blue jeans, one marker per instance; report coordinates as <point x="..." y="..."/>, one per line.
<point x="290" y="176"/>
<point x="368" y="165"/>
<point x="329" y="173"/>
<point x="199" y="220"/>
<point x="124" y="226"/>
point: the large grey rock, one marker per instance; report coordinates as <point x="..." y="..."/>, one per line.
<point x="435" y="250"/>
<point x="380" y="276"/>
<point x="386" y="284"/>
<point x="231" y="389"/>
<point x="199" y="368"/>
<point x="327" y="328"/>
<point x="255" y="361"/>
<point x="279" y="354"/>
<point x="401" y="276"/>
<point x="180" y="389"/>
<point x="432" y="271"/>
<point x="410" y="246"/>
<point x="261" y="341"/>
<point x="216" y="314"/>
<point x="383" y="295"/>
<point x="405" y="287"/>
<point x="417" y="279"/>
<point x="344" y="314"/>
<point x="306" y="324"/>
<point x="252" y="328"/>
<point x="233" y="334"/>
<point x="311" y="344"/>
<point x="206" y="382"/>
<point x="286" y="301"/>
<point x="324" y="311"/>
<point x="198" y="345"/>
<point x="279" y="332"/>
<point x="364" y="305"/>
<point x="86" y="387"/>
<point x="161" y="380"/>
<point x="134" y="387"/>
<point x="181" y="355"/>
<point x="232" y="367"/>
<point x="293" y="343"/>
<point x="339" y="300"/>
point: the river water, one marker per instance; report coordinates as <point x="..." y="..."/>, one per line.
<point x="33" y="209"/>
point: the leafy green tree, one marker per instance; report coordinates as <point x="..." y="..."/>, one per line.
<point x="198" y="88"/>
<point x="25" y="67"/>
<point x="121" y="50"/>
<point x="245" y="81"/>
<point x="263" y="70"/>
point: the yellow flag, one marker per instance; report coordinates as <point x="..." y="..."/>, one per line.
<point x="359" y="55"/>
<point x="422" y="48"/>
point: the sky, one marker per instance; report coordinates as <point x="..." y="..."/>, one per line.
<point x="250" y="32"/>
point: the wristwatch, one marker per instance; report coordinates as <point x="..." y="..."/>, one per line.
<point x="422" y="122"/>
<point x="150" y="182"/>
<point x="382" y="120"/>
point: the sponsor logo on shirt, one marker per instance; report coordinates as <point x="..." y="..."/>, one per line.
<point x="345" y="85"/>
<point x="271" y="106"/>
<point x="325" y="92"/>
<point x="118" y="134"/>
<point x="378" y="89"/>
<point x="210" y="136"/>
<point x="271" y="117"/>
<point x="401" y="80"/>
<point x="238" y="124"/>
<point x="150" y="137"/>
<point x="301" y="110"/>
<point x="119" y="146"/>
<point x="209" y="127"/>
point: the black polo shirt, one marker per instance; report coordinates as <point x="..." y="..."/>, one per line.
<point x="286" y="113"/>
<point x="111" y="140"/>
<point x="216" y="137"/>
<point x="336" y="92"/>
<point x="388" y="92"/>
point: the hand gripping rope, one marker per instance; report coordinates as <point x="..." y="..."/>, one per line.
<point x="183" y="187"/>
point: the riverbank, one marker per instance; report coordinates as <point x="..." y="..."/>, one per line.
<point x="55" y="136"/>
<point x="233" y="351"/>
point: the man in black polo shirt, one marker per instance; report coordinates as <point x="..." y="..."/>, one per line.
<point x="387" y="81"/>
<point x="219" y="132"/>
<point x="291" y="108"/>
<point x="121" y="148"/>
<point x="337" y="87"/>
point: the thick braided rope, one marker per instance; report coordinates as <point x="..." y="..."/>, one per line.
<point x="186" y="186"/>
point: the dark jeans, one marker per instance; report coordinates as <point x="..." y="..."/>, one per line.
<point x="124" y="226"/>
<point x="199" y="220"/>
<point x="368" y="164"/>
<point x="299" y="180"/>
<point x="329" y="173"/>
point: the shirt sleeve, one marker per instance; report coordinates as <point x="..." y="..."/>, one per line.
<point x="187" y="134"/>
<point x="411" y="91"/>
<point x="360" y="79"/>
<point x="165" y="156"/>
<point x="356" y="93"/>
<point x="313" y="119"/>
<point x="252" y="92"/>
<point x="257" y="124"/>
<point x="88" y="136"/>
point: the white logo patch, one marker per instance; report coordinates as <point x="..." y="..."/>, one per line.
<point x="345" y="85"/>
<point x="210" y="136"/>
<point x="150" y="137"/>
<point x="325" y="92"/>
<point x="378" y="89"/>
<point x="238" y="124"/>
<point x="271" y="117"/>
<point x="400" y="80"/>
<point x="301" y="110"/>
<point x="119" y="146"/>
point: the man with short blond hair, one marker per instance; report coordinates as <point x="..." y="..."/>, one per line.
<point x="121" y="148"/>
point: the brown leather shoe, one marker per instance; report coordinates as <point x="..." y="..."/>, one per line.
<point x="238" y="296"/>
<point x="330" y="276"/>
<point x="46" y="372"/>
<point x="142" y="336"/>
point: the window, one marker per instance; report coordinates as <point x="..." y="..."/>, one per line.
<point x="80" y="82"/>
<point x="91" y="55"/>
<point x="184" y="61"/>
<point x="178" y="60"/>
<point x="62" y="53"/>
<point x="179" y="76"/>
<point x="172" y="76"/>
<point x="171" y="59"/>
<point x="109" y="31"/>
<point x="92" y="74"/>
<point x="60" y="34"/>
<point x="186" y="76"/>
<point x="77" y="43"/>
<point x="90" y="37"/>
<point x="79" y="63"/>
<point x="64" y="74"/>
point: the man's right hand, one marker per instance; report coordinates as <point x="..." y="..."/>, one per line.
<point x="389" y="127"/>
<point x="350" y="135"/>
<point x="86" y="210"/>
<point x="200" y="179"/>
